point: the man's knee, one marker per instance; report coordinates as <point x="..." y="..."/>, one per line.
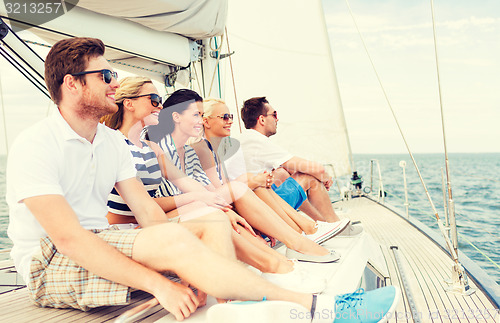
<point x="305" y="180"/>
<point x="172" y="238"/>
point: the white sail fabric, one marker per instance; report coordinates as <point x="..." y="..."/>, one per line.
<point x="195" y="19"/>
<point x="283" y="53"/>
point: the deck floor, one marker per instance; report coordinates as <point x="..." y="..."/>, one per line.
<point x="426" y="267"/>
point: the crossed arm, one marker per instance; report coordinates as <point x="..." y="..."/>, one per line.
<point x="297" y="164"/>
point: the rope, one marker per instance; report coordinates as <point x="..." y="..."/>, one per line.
<point x="36" y="43"/>
<point x="217" y="50"/>
<point x="448" y="242"/>
<point x="234" y="83"/>
<point x="134" y="66"/>
<point x="197" y="78"/>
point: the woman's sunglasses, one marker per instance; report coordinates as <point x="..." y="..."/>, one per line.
<point x="155" y="98"/>
<point x="107" y="75"/>
<point x="226" y="116"/>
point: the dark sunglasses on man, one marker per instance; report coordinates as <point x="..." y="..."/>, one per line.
<point x="107" y="75"/>
<point x="155" y="98"/>
<point x="274" y="114"/>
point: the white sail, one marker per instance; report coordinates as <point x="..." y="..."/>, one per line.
<point x="279" y="56"/>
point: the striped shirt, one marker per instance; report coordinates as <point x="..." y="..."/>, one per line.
<point x="148" y="172"/>
<point x="192" y="166"/>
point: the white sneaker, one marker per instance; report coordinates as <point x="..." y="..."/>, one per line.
<point x="298" y="280"/>
<point x="351" y="231"/>
<point x="332" y="256"/>
<point x="326" y="230"/>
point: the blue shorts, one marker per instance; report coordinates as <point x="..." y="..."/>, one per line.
<point x="291" y="192"/>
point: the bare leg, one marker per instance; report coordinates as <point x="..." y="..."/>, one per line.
<point x="265" y="195"/>
<point x="306" y="224"/>
<point x="311" y="211"/>
<point x="264" y="219"/>
<point x="259" y="255"/>
<point x="317" y="196"/>
<point x="170" y="247"/>
<point x="248" y="248"/>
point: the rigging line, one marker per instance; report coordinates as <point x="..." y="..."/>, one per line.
<point x="13" y="61"/>
<point x="36" y="43"/>
<point x="394" y="115"/>
<point x="234" y="83"/>
<point x="449" y="244"/>
<point x="13" y="51"/>
<point x="217" y="50"/>
<point x="480" y="251"/>
<point x="19" y="38"/>
<point x="451" y="209"/>
<point x="21" y="69"/>
<point x="202" y="77"/>
<point x="197" y="78"/>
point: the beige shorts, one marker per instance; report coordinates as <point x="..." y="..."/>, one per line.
<point x="57" y="281"/>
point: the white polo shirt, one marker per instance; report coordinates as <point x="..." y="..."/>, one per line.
<point x="51" y="158"/>
<point x="259" y="152"/>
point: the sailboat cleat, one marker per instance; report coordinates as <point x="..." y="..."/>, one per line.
<point x="459" y="282"/>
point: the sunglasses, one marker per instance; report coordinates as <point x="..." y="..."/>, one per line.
<point x="107" y="75"/>
<point x="155" y="98"/>
<point x="226" y="116"/>
<point x="274" y="114"/>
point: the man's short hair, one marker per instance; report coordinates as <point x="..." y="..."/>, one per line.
<point x="252" y="109"/>
<point x="69" y="56"/>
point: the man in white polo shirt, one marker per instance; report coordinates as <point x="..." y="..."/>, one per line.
<point x="300" y="182"/>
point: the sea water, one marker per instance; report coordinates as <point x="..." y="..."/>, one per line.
<point x="475" y="187"/>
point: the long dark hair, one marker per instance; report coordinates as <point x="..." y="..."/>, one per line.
<point x="176" y="102"/>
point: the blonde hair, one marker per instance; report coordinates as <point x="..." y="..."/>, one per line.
<point x="129" y="87"/>
<point x="209" y="105"/>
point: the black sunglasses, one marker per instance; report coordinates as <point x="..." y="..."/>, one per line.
<point x="226" y="116"/>
<point x="107" y="75"/>
<point x="155" y="98"/>
<point x="274" y="114"/>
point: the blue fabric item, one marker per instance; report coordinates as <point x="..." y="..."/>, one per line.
<point x="291" y="192"/>
<point x="365" y="307"/>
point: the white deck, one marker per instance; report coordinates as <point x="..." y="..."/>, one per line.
<point x="425" y="264"/>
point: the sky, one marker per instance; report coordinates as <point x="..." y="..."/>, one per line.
<point x="399" y="37"/>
